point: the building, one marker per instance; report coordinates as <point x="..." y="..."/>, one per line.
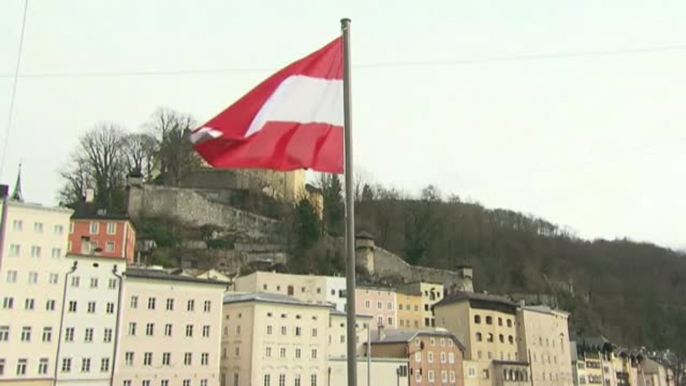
<point x="336" y="292"/>
<point x="338" y="347"/>
<point x="544" y="340"/>
<point x="273" y="339"/>
<point x="434" y="356"/>
<point x="382" y="371"/>
<point x="379" y="303"/>
<point x="308" y="288"/>
<point x="86" y="348"/>
<point x="485" y="324"/>
<point x="96" y="232"/>
<point x="431" y="293"/>
<point x="32" y="277"/>
<point x="410" y="309"/>
<point x="594" y="361"/>
<point x="170" y="330"/>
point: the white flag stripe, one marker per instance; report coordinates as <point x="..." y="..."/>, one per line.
<point x="204" y="134"/>
<point x="302" y="99"/>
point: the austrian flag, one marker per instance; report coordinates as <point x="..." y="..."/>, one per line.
<point x="292" y="120"/>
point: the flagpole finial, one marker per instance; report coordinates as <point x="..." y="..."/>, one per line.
<point x="345" y="22"/>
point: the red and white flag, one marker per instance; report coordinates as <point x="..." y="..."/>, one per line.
<point x="292" y="120"/>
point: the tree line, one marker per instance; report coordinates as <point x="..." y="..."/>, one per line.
<point x="108" y="153"/>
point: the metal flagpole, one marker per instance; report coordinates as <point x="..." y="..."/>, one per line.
<point x="349" y="208"/>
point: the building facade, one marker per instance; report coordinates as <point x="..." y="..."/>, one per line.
<point x="273" y="339"/>
<point x="86" y="348"/>
<point x="544" y="341"/>
<point x="32" y="277"/>
<point x="485" y="324"/>
<point x="379" y="303"/>
<point x="410" y="309"/>
<point x="336" y="292"/>
<point x="308" y="288"/>
<point x="102" y="234"/>
<point x="170" y="330"/>
<point x="435" y="357"/>
<point x="431" y="293"/>
<point x="338" y="347"/>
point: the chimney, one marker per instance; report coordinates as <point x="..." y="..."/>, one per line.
<point x="90" y="195"/>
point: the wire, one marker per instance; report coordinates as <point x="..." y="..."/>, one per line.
<point x="14" y="90"/>
<point x="544" y="56"/>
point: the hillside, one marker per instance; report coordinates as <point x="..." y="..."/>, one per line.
<point x="634" y="293"/>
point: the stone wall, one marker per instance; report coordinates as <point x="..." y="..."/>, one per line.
<point x="197" y="207"/>
<point x="282" y="185"/>
<point x="387" y="264"/>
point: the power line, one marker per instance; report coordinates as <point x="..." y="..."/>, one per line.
<point x="425" y="63"/>
<point x="14" y="90"/>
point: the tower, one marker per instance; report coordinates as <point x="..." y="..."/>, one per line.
<point x="17" y="195"/>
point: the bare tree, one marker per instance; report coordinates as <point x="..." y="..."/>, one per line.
<point x="140" y="153"/>
<point x="78" y="178"/>
<point x="176" y="155"/>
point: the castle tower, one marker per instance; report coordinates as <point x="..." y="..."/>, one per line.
<point x="364" y="251"/>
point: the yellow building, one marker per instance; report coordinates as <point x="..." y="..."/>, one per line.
<point x="431" y="294"/>
<point x="485" y="324"/>
<point x="308" y="288"/>
<point x="410" y="309"/>
<point x="544" y="340"/>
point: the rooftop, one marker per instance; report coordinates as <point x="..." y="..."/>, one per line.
<point x="89" y="211"/>
<point x="475" y="296"/>
<point x="158" y="274"/>
<point x="404" y="336"/>
<point x="266" y="297"/>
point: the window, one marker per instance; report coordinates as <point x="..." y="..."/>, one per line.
<point x="418" y="376"/>
<point x="268" y="352"/>
<point x="11" y="276"/>
<point x="452" y="376"/>
<point x="430" y="357"/>
<point x="379" y="305"/>
<point x="66" y="365"/>
<point x="35" y="251"/>
<point x="167" y="330"/>
<point x="94" y="228"/>
<point x="85" y="365"/>
<point x="91" y="307"/>
<point x="14" y="250"/>
<point x="509" y="323"/>
<point x="186" y="382"/>
<point x="151" y="303"/>
<point x="88" y="337"/>
<point x="282" y="352"/>
<point x="267" y="380"/>
<point x="189" y="330"/>
<point x="111" y="228"/>
<point x="53" y="278"/>
<point x="112" y="284"/>
<point x="486" y="374"/>
<point x="69" y="334"/>
<point x="17" y="225"/>
<point x="146" y="382"/>
<point x="238" y="330"/>
<point x="418" y="356"/>
<point x="132" y="328"/>
<point x="269" y="330"/>
<point x="477" y="319"/>
<point x="389" y="305"/>
<point x="296" y="380"/>
<point x="490" y="337"/>
<point x="164" y="382"/>
<point x="284" y="330"/>
<point x="432" y="342"/>
<point x="94" y="282"/>
<point x="147" y="359"/>
<point x="501" y="337"/>
<point x="28" y="304"/>
<point x="500" y="321"/>
<point x="191" y="305"/>
<point x="56" y="253"/>
<point x="38" y="227"/>
<point x="203" y="382"/>
<point x="134" y="302"/>
<point x="188" y="359"/>
<point x="489" y="320"/>
<point x="50" y="305"/>
<point x="314" y="353"/>
<point x="4" y="333"/>
<point x="207" y="306"/>
<point x="107" y="335"/>
<point x="8" y="302"/>
<point x="367" y="304"/>
<point x="206" y="331"/>
<point x="109" y="246"/>
<point x="390" y="321"/>
<point x="443" y="357"/>
<point x="26" y="334"/>
<point x="510" y="339"/>
<point x="58" y="230"/>
<point x="313" y="380"/>
<point x="150" y="329"/>
<point x="314" y="332"/>
<point x="43" y="366"/>
<point x="205" y="359"/>
<point x="110" y="308"/>
<point x="128" y="358"/>
<point x="47" y="334"/>
<point x="170" y="304"/>
<point x="471" y="372"/>
<point x="75" y="281"/>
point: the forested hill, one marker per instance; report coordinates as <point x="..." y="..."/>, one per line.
<point x="634" y="293"/>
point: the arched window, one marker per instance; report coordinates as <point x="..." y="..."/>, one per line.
<point x="506" y="375"/>
<point x="478" y="337"/>
<point x="502" y="338"/>
<point x="489" y="320"/>
<point x="510" y="339"/>
<point x="477" y="319"/>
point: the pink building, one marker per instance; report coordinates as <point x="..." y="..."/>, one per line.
<point x="379" y="303"/>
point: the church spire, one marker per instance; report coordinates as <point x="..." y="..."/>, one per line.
<point x="17" y="195"/>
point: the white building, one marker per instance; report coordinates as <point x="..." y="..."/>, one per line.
<point x="274" y="340"/>
<point x="89" y="322"/>
<point x="169" y="331"/>
<point x="336" y="292"/>
<point x="32" y="272"/>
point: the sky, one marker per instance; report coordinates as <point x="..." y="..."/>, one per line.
<point x="571" y="110"/>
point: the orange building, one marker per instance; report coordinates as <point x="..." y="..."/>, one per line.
<point x="102" y="234"/>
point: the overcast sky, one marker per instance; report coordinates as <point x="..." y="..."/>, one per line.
<point x="594" y="142"/>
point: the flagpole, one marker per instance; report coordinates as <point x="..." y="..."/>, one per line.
<point x="349" y="209"/>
